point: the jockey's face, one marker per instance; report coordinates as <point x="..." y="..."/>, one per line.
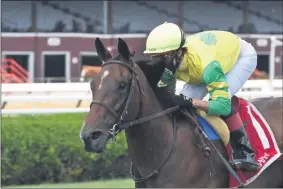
<point x="158" y="56"/>
<point x="170" y="58"/>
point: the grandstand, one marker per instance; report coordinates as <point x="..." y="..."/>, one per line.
<point x="130" y="17"/>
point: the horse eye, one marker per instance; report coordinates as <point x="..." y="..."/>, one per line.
<point x="122" y="85"/>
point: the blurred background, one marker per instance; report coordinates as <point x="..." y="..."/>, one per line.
<point x="48" y="57"/>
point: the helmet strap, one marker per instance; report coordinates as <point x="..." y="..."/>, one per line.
<point x="176" y="52"/>
<point x="183" y="39"/>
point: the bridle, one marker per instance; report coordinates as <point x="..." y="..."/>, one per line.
<point x="120" y="116"/>
<point x="120" y="126"/>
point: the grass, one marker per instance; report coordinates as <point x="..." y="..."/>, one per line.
<point x="118" y="183"/>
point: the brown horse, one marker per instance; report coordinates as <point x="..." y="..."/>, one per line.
<point x="163" y="148"/>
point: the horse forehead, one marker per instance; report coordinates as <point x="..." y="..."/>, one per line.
<point x="116" y="70"/>
<point x="104" y="74"/>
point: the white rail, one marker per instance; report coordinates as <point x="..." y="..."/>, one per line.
<point x="34" y="111"/>
<point x="23" y="98"/>
<point x="246" y="95"/>
<point x="42" y="92"/>
<point x="85" y="87"/>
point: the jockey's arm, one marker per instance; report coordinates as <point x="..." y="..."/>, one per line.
<point x="200" y="104"/>
<point x="219" y="102"/>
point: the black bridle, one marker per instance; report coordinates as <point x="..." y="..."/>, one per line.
<point x="120" y="126"/>
<point x="120" y="116"/>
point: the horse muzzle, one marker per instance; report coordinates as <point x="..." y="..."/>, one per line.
<point x="94" y="141"/>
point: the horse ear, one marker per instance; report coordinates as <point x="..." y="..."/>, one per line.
<point x="102" y="52"/>
<point x="123" y="49"/>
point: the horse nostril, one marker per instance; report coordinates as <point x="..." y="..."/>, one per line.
<point x="95" y="135"/>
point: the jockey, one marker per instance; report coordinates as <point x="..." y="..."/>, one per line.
<point x="214" y="62"/>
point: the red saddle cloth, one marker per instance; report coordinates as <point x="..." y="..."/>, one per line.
<point x="261" y="138"/>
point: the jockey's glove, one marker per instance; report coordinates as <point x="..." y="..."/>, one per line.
<point x="183" y="101"/>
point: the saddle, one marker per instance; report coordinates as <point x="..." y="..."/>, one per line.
<point x="218" y="125"/>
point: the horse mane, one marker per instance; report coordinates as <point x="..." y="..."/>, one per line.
<point x="153" y="73"/>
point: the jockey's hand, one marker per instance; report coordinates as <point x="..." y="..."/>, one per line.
<point x="182" y="101"/>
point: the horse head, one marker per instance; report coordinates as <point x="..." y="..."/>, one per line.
<point x="116" y="96"/>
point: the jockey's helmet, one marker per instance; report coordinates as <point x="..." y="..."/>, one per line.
<point x="165" y="37"/>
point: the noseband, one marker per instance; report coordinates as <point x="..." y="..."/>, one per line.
<point x="120" y="115"/>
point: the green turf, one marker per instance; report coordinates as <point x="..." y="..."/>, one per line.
<point x="119" y="183"/>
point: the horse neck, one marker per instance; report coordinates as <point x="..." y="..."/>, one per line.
<point x="149" y="142"/>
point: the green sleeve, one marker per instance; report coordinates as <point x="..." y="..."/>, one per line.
<point x="219" y="102"/>
<point x="168" y="80"/>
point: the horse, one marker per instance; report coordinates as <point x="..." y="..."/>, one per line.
<point x="162" y="143"/>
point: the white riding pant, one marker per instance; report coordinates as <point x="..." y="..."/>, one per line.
<point x="236" y="78"/>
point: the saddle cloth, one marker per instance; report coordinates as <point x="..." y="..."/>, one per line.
<point x="259" y="132"/>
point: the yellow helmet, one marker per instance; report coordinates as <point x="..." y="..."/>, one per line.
<point x="165" y="37"/>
